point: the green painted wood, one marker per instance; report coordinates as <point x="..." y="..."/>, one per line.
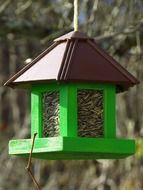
<point x="37" y="107"/>
<point x="68" y="145"/>
<point x="41" y="145"/>
<point x="46" y="87"/>
<point x="36" y="114"/>
<point x="94" y="86"/>
<point x="68" y="111"/>
<point x="74" y="156"/>
<point x="109" y="111"/>
<point x="68" y="106"/>
<point x="57" y="86"/>
<point x="73" y="148"/>
<point x="99" y="145"/>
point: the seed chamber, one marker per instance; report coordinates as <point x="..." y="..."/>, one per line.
<point x="90" y="113"/>
<point x="51" y="124"/>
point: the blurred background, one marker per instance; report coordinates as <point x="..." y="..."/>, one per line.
<point x="27" y="27"/>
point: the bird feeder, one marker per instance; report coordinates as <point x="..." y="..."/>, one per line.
<point x="73" y="88"/>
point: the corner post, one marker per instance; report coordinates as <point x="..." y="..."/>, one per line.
<point x="109" y="111"/>
<point x="68" y="110"/>
<point x="36" y="113"/>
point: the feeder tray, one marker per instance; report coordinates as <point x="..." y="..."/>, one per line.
<point x="73" y="88"/>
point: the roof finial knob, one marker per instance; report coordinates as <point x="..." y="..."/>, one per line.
<point x="76" y="15"/>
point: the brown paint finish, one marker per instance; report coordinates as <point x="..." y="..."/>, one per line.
<point x="72" y="36"/>
<point x="11" y="83"/>
<point x="74" y="57"/>
<point x="47" y="68"/>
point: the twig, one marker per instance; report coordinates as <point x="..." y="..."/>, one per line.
<point x="34" y="180"/>
<point x="126" y="31"/>
<point x="28" y="167"/>
<point x="30" y="155"/>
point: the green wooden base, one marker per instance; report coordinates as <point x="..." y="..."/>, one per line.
<point x="73" y="148"/>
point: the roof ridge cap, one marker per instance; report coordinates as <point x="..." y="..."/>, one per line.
<point x="73" y="35"/>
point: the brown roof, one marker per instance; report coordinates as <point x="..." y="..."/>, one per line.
<point x="74" y="57"/>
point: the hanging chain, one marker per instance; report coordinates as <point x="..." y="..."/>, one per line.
<point x="76" y="15"/>
<point x="28" y="167"/>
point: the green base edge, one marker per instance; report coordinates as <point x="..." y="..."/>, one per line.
<point x="73" y="148"/>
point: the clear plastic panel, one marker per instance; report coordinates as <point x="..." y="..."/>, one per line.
<point x="51" y="114"/>
<point x="90" y="113"/>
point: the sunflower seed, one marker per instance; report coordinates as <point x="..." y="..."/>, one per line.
<point x="90" y="113"/>
<point x="51" y="114"/>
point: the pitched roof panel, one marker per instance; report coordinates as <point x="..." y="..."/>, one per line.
<point x="46" y="68"/>
<point x="75" y="58"/>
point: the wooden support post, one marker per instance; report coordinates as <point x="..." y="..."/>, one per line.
<point x="109" y="111"/>
<point x="68" y="111"/>
<point x="36" y="114"/>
